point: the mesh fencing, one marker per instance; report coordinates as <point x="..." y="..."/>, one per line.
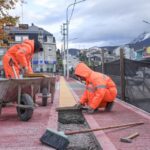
<point x="137" y="81"/>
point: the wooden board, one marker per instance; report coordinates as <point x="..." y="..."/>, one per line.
<point x="37" y="75"/>
<point x="66" y="97"/>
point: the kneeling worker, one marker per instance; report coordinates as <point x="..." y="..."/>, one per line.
<point x="100" y="90"/>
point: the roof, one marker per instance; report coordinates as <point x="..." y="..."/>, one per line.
<point x="30" y="29"/>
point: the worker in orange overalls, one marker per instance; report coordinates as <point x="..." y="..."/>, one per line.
<point x="29" y="54"/>
<point x="18" y="57"/>
<point x="100" y="90"/>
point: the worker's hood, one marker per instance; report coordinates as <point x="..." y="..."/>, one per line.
<point x="83" y="70"/>
<point x="31" y="43"/>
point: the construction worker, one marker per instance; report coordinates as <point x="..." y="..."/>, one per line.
<point x="18" y="58"/>
<point x="29" y="55"/>
<point x="100" y="90"/>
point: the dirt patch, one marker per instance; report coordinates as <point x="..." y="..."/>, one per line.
<point x="74" y="120"/>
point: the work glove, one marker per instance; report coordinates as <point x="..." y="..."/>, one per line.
<point x="90" y="110"/>
<point x="25" y="70"/>
<point x="78" y="105"/>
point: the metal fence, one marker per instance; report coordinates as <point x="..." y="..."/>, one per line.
<point x="136" y="81"/>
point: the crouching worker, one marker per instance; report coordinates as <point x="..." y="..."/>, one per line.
<point x="100" y="90"/>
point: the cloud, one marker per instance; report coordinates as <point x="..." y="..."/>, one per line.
<point x="101" y="22"/>
<point x="115" y="19"/>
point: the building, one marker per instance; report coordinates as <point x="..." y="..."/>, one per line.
<point x="129" y="53"/>
<point x="96" y="55"/>
<point x="143" y="54"/>
<point x="73" y="57"/>
<point x="44" y="60"/>
<point x="2" y="52"/>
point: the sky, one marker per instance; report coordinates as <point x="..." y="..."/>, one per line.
<point x="93" y="23"/>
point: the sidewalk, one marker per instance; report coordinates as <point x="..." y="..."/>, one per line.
<point x="122" y="114"/>
<point x="18" y="135"/>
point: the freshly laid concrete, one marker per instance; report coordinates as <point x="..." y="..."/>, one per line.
<point x="70" y="117"/>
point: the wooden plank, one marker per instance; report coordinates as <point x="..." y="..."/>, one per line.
<point x="37" y="75"/>
<point x="66" y="97"/>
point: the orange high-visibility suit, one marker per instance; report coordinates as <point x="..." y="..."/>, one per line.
<point x="29" y="54"/>
<point x="21" y="55"/>
<point x="100" y="89"/>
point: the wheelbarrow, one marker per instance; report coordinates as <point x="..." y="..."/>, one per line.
<point x="47" y="86"/>
<point x="21" y="94"/>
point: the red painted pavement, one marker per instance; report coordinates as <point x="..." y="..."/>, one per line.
<point x="122" y="113"/>
<point x="18" y="135"/>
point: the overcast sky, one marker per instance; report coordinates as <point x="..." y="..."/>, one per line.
<point x="94" y="22"/>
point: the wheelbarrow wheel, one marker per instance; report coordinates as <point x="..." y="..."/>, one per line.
<point x="25" y="113"/>
<point x="44" y="94"/>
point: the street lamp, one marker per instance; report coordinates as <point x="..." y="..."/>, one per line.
<point x="22" y="2"/>
<point x="67" y="32"/>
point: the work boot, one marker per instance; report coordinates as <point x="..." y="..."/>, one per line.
<point x="109" y="106"/>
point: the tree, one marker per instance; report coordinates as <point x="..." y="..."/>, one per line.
<point x="59" y="64"/>
<point x="5" y="18"/>
<point x="5" y="6"/>
<point x="83" y="57"/>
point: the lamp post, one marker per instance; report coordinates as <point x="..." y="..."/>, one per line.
<point x="67" y="33"/>
<point x="64" y="59"/>
<point x="22" y="2"/>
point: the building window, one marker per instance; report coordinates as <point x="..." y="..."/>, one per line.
<point x="18" y="38"/>
<point x="45" y="38"/>
<point x="49" y="39"/>
<point x="24" y="38"/>
<point x="21" y="38"/>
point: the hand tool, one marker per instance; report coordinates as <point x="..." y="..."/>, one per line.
<point x="59" y="140"/>
<point x="129" y="138"/>
<point x="11" y="63"/>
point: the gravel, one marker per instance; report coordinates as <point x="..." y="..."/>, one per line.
<point x="74" y="120"/>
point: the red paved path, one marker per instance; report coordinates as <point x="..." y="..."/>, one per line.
<point x="18" y="135"/>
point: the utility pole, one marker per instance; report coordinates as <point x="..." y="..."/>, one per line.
<point x="122" y="74"/>
<point x="64" y="40"/>
<point x="102" y="60"/>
